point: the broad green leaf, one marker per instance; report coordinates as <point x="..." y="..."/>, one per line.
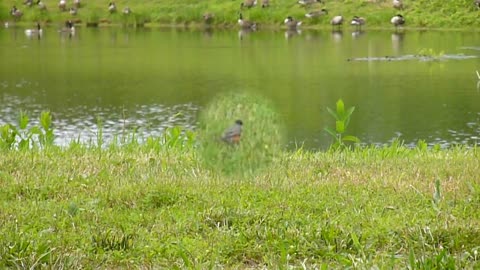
<point x="340" y="126"/>
<point x="331" y="132"/>
<point x="46" y="120"/>
<point x="350" y="138"/>
<point x="334" y="114"/>
<point x="23" y="120"/>
<point x="340" y="108"/>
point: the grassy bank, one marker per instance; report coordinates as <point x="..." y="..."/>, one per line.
<point x="155" y="205"/>
<point x="421" y="13"/>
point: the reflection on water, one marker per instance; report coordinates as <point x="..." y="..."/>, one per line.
<point x="150" y="79"/>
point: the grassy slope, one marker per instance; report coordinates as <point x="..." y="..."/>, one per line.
<point x="154" y="206"/>
<point x="419" y="13"/>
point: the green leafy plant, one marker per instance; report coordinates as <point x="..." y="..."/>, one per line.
<point x="342" y="119"/>
<point x="24" y="137"/>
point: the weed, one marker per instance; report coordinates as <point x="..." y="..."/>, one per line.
<point x="342" y="119"/>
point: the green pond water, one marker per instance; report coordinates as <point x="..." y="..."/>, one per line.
<point x="155" y="78"/>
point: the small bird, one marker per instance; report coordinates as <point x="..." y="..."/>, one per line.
<point x="308" y="2"/>
<point x="62" y="5"/>
<point x="397" y="20"/>
<point x="34" y="32"/>
<point x="232" y="134"/>
<point x="248" y="3"/>
<point x="246" y="24"/>
<point x="291" y="23"/>
<point x="316" y="13"/>
<point x="337" y="21"/>
<point x="126" y="10"/>
<point x="398" y="4"/>
<point x="112" y="8"/>
<point x="358" y="22"/>
<point x="265" y="3"/>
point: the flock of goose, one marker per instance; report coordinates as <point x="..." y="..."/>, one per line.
<point x="292" y="24"/>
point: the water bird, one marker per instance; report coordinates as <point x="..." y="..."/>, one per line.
<point x="397" y="20"/>
<point x="477" y="3"/>
<point x="112" y="8"/>
<point x="62" y="5"/>
<point x="16" y="13"/>
<point x="316" y="13"/>
<point x="126" y="10"/>
<point x="291" y="23"/>
<point x="309" y="2"/>
<point x="248" y="3"/>
<point x="68" y="28"/>
<point x="35" y="31"/>
<point x="77" y="3"/>
<point x="73" y="11"/>
<point x="265" y="3"/>
<point x="208" y="17"/>
<point x="290" y="33"/>
<point x="232" y="134"/>
<point x="28" y="3"/>
<point x="357" y="22"/>
<point x="398" y="4"/>
<point x="337" y="21"/>
<point x="246" y="24"/>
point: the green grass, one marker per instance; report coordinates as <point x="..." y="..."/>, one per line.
<point x="156" y="205"/>
<point x="421" y="13"/>
<point x="183" y="200"/>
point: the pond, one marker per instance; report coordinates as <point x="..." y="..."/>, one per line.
<point x="153" y="78"/>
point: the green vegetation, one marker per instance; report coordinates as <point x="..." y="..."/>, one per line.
<point x="342" y="119"/>
<point x="155" y="205"/>
<point x="418" y="13"/>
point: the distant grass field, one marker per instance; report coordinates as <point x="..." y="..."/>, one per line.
<point x="418" y="13"/>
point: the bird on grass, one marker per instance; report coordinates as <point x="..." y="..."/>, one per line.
<point x="208" y="17"/>
<point x="16" y="13"/>
<point x="358" y="22"/>
<point x="248" y="3"/>
<point x="291" y="23"/>
<point x="265" y="3"/>
<point x="62" y="5"/>
<point x="112" y="8"/>
<point x="316" y="13"/>
<point x="232" y="134"/>
<point x="308" y="2"/>
<point x="246" y="24"/>
<point x="398" y="4"/>
<point x="477" y="3"/>
<point x="77" y="3"/>
<point x="337" y="21"/>
<point x="397" y="20"/>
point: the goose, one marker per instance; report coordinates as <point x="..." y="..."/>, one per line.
<point x="76" y="3"/>
<point x="126" y="11"/>
<point x="477" y="3"/>
<point x="62" y="5"/>
<point x="290" y="33"/>
<point x="337" y="21"/>
<point x="308" y="2"/>
<point x="316" y="13"/>
<point x="73" y="11"/>
<point x="358" y="22"/>
<point x="246" y="24"/>
<point x="291" y="23"/>
<point x="397" y="20"/>
<point x="41" y="5"/>
<point x="69" y="28"/>
<point x="35" y="31"/>
<point x="266" y="3"/>
<point x="208" y="17"/>
<point x="398" y="4"/>
<point x="28" y="3"/>
<point x="111" y="7"/>
<point x="16" y="13"/>
<point x="248" y="3"/>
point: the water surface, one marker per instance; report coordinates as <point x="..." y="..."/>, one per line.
<point x="150" y="79"/>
